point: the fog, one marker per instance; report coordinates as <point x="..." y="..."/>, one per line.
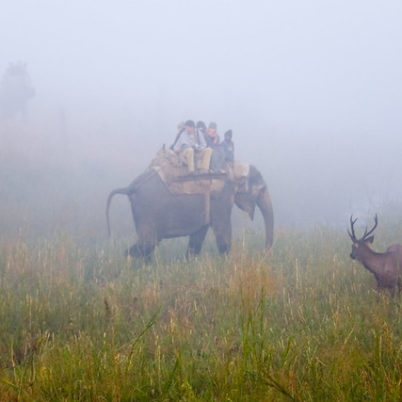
<point x="311" y="89"/>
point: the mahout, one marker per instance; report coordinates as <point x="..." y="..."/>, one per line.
<point x="160" y="214"/>
<point x="386" y="267"/>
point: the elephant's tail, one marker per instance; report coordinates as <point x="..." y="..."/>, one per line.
<point x="124" y="191"/>
<point x="131" y="189"/>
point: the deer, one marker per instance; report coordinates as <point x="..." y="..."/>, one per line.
<point x="386" y="267"/>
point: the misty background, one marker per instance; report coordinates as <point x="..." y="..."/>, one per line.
<point x="311" y="89"/>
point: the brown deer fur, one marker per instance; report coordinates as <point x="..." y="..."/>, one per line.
<point x="386" y="267"/>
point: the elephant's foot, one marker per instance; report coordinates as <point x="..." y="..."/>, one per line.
<point x="140" y="251"/>
<point x="223" y="248"/>
<point x="223" y="238"/>
<point x="195" y="242"/>
<point x="191" y="253"/>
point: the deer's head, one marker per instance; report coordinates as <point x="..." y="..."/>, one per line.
<point x="360" y="246"/>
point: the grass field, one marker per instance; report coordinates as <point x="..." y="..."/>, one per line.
<point x="301" y="323"/>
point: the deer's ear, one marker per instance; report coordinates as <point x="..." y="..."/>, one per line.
<point x="369" y="239"/>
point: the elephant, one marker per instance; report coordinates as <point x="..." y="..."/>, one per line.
<point x="158" y="214"/>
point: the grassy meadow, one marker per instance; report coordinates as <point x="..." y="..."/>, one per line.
<point x="301" y="323"/>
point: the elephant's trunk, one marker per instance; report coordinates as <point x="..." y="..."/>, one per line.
<point x="265" y="205"/>
<point x="125" y="191"/>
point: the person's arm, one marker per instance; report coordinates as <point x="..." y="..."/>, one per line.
<point x="183" y="143"/>
<point x="231" y="152"/>
<point x="176" y="140"/>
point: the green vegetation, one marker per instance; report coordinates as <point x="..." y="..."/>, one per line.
<point x="303" y="323"/>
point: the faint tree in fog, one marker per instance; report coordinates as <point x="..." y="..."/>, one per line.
<point x="16" y="90"/>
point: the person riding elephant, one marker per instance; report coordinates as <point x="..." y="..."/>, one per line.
<point x="212" y="136"/>
<point x="227" y="146"/>
<point x="192" y="148"/>
<point x="213" y="141"/>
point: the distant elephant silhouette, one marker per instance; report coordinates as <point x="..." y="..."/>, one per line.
<point x="15" y="90"/>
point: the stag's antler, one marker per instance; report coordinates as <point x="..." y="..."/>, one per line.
<point x="352" y="222"/>
<point x="367" y="234"/>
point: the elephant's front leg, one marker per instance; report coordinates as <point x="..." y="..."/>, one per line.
<point x="223" y="235"/>
<point x="195" y="242"/>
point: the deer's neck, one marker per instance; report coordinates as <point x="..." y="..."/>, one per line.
<point x="373" y="261"/>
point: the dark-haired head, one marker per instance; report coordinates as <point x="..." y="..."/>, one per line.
<point x="189" y="123"/>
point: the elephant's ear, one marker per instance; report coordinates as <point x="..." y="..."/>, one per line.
<point x="249" y="199"/>
<point x="245" y="203"/>
<point x="254" y="192"/>
<point x="248" y="188"/>
<point x="256" y="189"/>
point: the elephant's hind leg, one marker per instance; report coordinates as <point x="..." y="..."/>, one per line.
<point x="195" y="242"/>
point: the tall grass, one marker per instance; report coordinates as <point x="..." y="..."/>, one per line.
<point x="301" y="323"/>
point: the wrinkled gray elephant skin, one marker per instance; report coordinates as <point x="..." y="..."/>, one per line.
<point x="159" y="214"/>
